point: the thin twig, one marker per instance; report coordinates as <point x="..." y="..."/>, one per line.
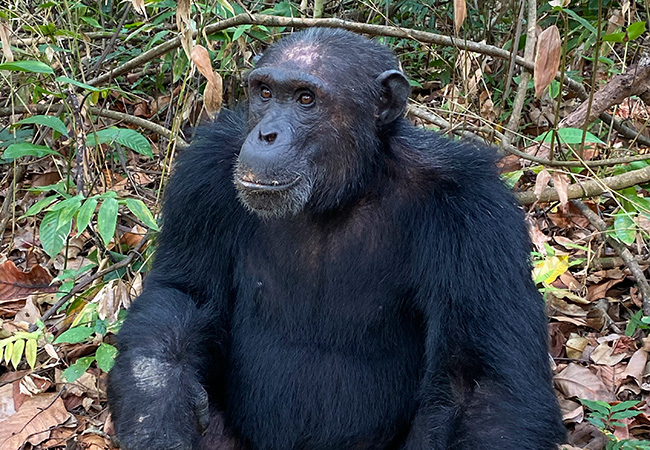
<point x="621" y="249"/>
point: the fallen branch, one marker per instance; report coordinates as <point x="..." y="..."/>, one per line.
<point x="635" y="81"/>
<point x="589" y="188"/>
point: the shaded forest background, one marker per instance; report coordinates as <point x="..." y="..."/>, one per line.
<point x="97" y="98"/>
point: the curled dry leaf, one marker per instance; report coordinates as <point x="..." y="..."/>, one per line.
<point x="604" y="354"/>
<point x="460" y="13"/>
<point x="201" y="59"/>
<point x="561" y="182"/>
<point x="541" y="182"/>
<point x="547" y="60"/>
<point x="636" y="367"/>
<point x="212" y="97"/>
<point x="16" y="284"/>
<point x="138" y="5"/>
<point x="575" y="345"/>
<point x="182" y="14"/>
<point x="5" y="31"/>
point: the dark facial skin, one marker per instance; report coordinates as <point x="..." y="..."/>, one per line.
<point x="304" y="119"/>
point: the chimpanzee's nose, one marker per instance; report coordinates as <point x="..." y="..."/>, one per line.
<point x="268" y="136"/>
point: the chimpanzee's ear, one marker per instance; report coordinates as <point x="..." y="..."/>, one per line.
<point x="395" y="90"/>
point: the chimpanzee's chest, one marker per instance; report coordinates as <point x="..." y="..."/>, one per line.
<point x="323" y="281"/>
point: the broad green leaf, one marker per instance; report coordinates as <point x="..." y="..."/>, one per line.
<point x="625" y="414"/>
<point x="625" y="405"/>
<point x="30" y="352"/>
<point x="67" y="209"/>
<point x="48" y="121"/>
<point x="624" y="228"/>
<point x="239" y="31"/>
<point x="569" y="136"/>
<point x="40" y="205"/>
<point x="76" y="83"/>
<point x="53" y="233"/>
<point x="105" y="356"/>
<point x="635" y="30"/>
<point x="125" y="136"/>
<point x="27" y="149"/>
<point x="107" y="219"/>
<point x="17" y="354"/>
<point x="141" y="211"/>
<point x="615" y="37"/>
<point x="86" y="213"/>
<point x="74" y="335"/>
<point x="72" y="373"/>
<point x="597" y="405"/>
<point x="27" y="66"/>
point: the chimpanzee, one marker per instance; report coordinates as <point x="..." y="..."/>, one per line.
<point x="330" y="276"/>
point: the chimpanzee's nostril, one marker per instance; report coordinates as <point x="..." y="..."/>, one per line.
<point x="269" y="138"/>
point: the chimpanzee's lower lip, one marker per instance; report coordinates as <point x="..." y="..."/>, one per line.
<point x="273" y="186"/>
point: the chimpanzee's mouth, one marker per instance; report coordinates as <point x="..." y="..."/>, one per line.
<point x="273" y="185"/>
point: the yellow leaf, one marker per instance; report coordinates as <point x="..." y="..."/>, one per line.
<point x="548" y="270"/>
<point x="30" y="352"/>
<point x="17" y="354"/>
<point x="9" y="351"/>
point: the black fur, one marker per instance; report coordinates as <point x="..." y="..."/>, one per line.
<point x="395" y="310"/>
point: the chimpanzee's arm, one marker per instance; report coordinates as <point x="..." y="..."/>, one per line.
<point x="175" y="330"/>
<point x="487" y="383"/>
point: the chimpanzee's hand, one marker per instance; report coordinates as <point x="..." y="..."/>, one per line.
<point x="156" y="405"/>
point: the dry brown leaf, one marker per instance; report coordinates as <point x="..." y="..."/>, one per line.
<point x="547" y="60"/>
<point x="109" y="299"/>
<point x="580" y="382"/>
<point x="460" y="14"/>
<point x="5" y="32"/>
<point x="575" y="345"/>
<point x="212" y="97"/>
<point x="604" y="355"/>
<point x="541" y="182"/>
<point x="561" y="182"/>
<point x="187" y="42"/>
<point x="33" y="422"/>
<point x="182" y="15"/>
<point x="16" y="284"/>
<point x="138" y="5"/>
<point x="201" y="60"/>
<point x="636" y="367"/>
<point x="29" y="313"/>
<point x="598" y="291"/>
<point x="7" y="408"/>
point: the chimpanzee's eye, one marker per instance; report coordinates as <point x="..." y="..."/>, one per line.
<point x="306" y="98"/>
<point x="265" y="93"/>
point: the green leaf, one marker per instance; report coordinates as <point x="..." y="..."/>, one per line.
<point x="86" y="213"/>
<point x="74" y="335"/>
<point x="141" y="211"/>
<point x="67" y="209"/>
<point x="17" y="353"/>
<point x="569" y="136"/>
<point x="27" y="149"/>
<point x="53" y="233"/>
<point x="584" y="22"/>
<point x="72" y="373"/>
<point x="90" y="21"/>
<point x="107" y="219"/>
<point x="625" y="414"/>
<point x="106" y="356"/>
<point x="635" y="30"/>
<point x="40" y="205"/>
<point x="49" y="121"/>
<point x="125" y="136"/>
<point x="597" y="405"/>
<point x="27" y="66"/>
<point x="624" y="228"/>
<point x="628" y="404"/>
<point x="30" y="352"/>
<point x="239" y="31"/>
<point x="615" y="37"/>
<point x="76" y="83"/>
